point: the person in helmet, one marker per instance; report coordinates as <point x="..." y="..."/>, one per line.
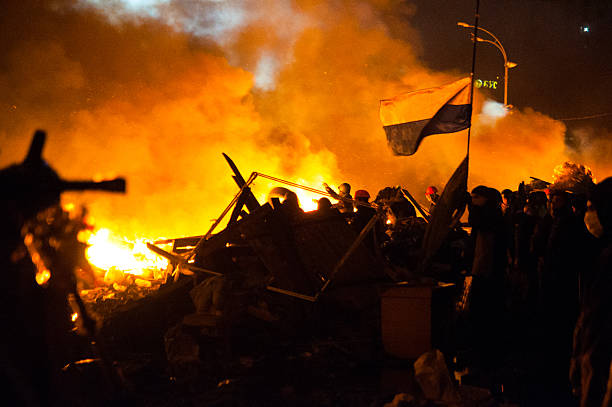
<point x="324" y="205"/>
<point x="362" y="196"/>
<point x="285" y="200"/>
<point x="344" y="196"/>
<point x="364" y="210"/>
<point x="431" y="193"/>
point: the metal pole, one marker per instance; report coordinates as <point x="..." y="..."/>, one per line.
<point x="505" y="83"/>
<point x="476" y="16"/>
<point x="497" y="43"/>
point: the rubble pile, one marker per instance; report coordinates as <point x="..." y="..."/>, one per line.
<point x="280" y="307"/>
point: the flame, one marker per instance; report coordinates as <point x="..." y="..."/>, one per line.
<point x="308" y="200"/>
<point x="118" y="255"/>
<point x="42" y="276"/>
<point x="74" y="316"/>
<point x="69" y="207"/>
<point x="178" y="101"/>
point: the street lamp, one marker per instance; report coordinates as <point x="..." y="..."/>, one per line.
<point x="500" y="47"/>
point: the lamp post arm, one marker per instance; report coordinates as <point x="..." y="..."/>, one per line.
<point x="498" y="46"/>
<point x="491" y="34"/>
<point x="497" y="42"/>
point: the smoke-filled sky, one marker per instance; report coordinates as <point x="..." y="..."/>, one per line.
<point x="156" y="90"/>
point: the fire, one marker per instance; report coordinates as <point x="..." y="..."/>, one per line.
<point x="108" y="251"/>
<point x="42" y="276"/>
<point x="308" y="200"/>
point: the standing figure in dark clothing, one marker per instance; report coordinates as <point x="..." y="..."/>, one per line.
<point x="530" y="238"/>
<point x="344" y="196"/>
<point x="488" y="271"/>
<point x="559" y="299"/>
<point x="363" y="215"/>
<point x="591" y="365"/>
<point x="364" y="210"/>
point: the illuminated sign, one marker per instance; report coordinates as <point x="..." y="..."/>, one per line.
<point x="479" y="83"/>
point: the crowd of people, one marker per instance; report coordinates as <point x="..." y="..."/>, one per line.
<point x="540" y="265"/>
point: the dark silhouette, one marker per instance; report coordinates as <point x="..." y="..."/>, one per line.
<point x="324" y="205"/>
<point x="34" y="317"/>
<point x="559" y="291"/>
<point x="592" y="348"/>
<point x="343" y="196"/>
<point x="488" y="271"/>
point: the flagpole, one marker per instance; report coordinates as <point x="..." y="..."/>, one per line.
<point x="476" y="16"/>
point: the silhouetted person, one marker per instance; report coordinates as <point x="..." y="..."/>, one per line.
<point x="531" y="236"/>
<point x="362" y="217"/>
<point x="591" y="365"/>
<point x="35" y="320"/>
<point x="488" y="270"/>
<point x="344" y="195"/>
<point x="364" y="212"/>
<point x="559" y="289"/>
<point x="286" y="201"/>
<point x="324" y="205"/>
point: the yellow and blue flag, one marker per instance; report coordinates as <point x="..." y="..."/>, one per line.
<point x="409" y="117"/>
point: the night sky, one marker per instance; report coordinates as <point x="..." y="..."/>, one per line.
<point x="562" y="70"/>
<point x="155" y="89"/>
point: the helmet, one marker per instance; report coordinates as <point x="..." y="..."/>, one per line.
<point x="284" y="195"/>
<point x="362" y="193"/>
<point x="344" y="187"/>
<point x="431" y="190"/>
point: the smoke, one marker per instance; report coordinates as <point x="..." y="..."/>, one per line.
<point x="156" y="90"/>
<point x="522" y="144"/>
<point x="593" y="147"/>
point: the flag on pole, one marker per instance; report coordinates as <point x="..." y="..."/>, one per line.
<point x="410" y="117"/>
<point x="447" y="211"/>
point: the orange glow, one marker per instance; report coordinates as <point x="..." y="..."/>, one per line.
<point x="69" y="207"/>
<point x="569" y="171"/>
<point x="120" y="256"/>
<point x="74" y="316"/>
<point x="169" y="110"/>
<point x="42" y="276"/>
<point x="308" y="200"/>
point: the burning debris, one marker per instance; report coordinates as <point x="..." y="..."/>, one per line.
<point x="572" y="177"/>
<point x="277" y="290"/>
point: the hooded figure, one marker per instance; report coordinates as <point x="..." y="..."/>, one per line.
<point x="591" y="366"/>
